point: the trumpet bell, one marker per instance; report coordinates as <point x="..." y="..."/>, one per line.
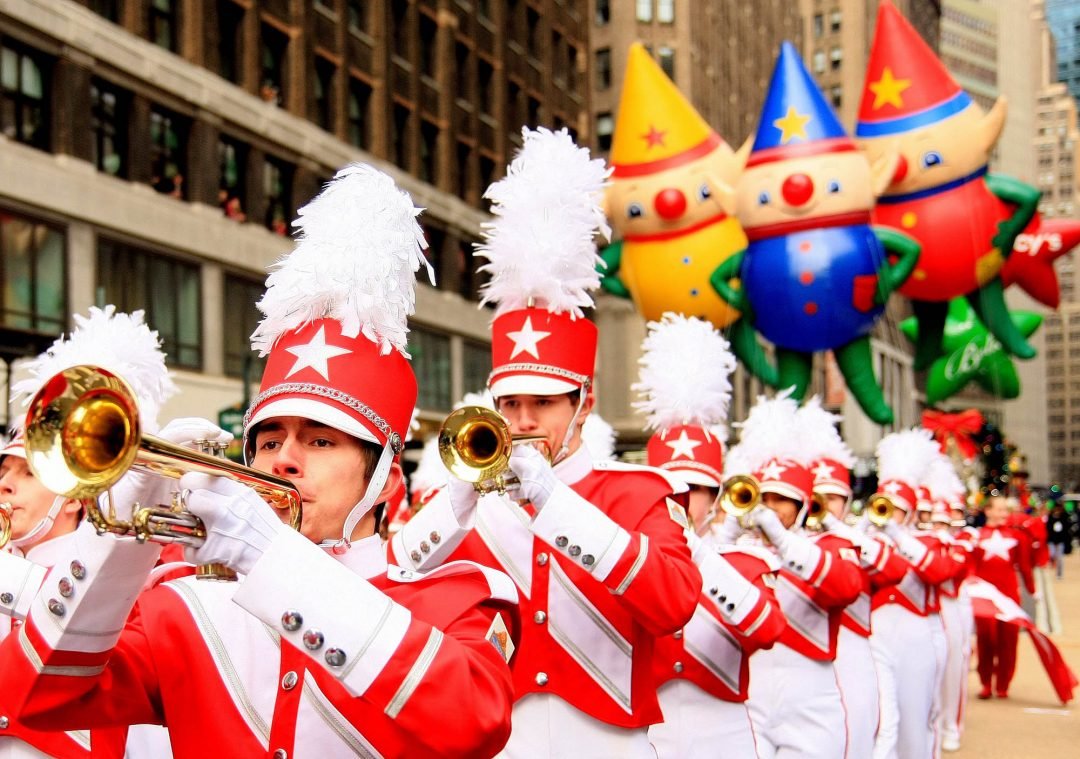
<point x="815" y="515"/>
<point x="740" y="495"/>
<point x="475" y="444"/>
<point x="5" y="524"/>
<point x="879" y="510"/>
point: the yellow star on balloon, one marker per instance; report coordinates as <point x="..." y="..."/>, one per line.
<point x="887" y="89"/>
<point x="792" y="125"/>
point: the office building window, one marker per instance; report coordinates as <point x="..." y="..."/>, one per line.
<point x="324" y="93"/>
<point x="836" y="95"/>
<point x="232" y="174"/>
<point x="603" y="68"/>
<point x="241" y="318"/>
<point x="274" y="46"/>
<point x="168" y="141"/>
<point x="462" y="82"/>
<point x="665" y="11"/>
<point x="163" y="23"/>
<point x="357" y="11"/>
<point x="429" y="152"/>
<point x="34" y="295"/>
<point x="603" y="12"/>
<point x="819" y="25"/>
<point x="109" y="9"/>
<point x="464" y="162"/>
<point x="402" y="117"/>
<point x="666" y="56"/>
<point x="605" y="129"/>
<point x="166" y="288"/>
<point x="429" y="45"/>
<point x="230" y="40"/>
<point x="485" y="76"/>
<point x="23" y="111"/>
<point x="836" y="58"/>
<point x="359" y="108"/>
<point x="108" y="122"/>
<point x="644" y="10"/>
<point x="277" y="187"/>
<point x="476" y="365"/>
<point x="400" y="27"/>
<point x="834" y="21"/>
<point x="431" y="361"/>
<point x="533" y="38"/>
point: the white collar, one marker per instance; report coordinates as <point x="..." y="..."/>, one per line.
<point x="575" y="467"/>
<point x="48" y="552"/>
<point x="366" y="557"/>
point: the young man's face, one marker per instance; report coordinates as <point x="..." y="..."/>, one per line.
<point x="701" y="499"/>
<point x="30" y="502"/>
<point x="327" y="466"/>
<point x="836" y="504"/>
<point x="787" y="509"/>
<point x="547" y="415"/>
<point x="997" y="510"/>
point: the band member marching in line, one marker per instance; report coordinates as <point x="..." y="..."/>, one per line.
<point x="321" y="649"/>
<point x="880" y="567"/>
<point x="908" y="642"/>
<point x="795" y="702"/>
<point x="703" y="671"/>
<point x="602" y="567"/>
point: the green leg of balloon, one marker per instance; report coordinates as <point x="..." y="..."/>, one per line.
<point x="745" y="346"/>
<point x="930" y="316"/>
<point x="794" y="368"/>
<point x="856" y="362"/>
<point x="989" y="304"/>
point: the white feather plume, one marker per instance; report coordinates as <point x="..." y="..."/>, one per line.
<point x="121" y="343"/>
<point x="942" y="481"/>
<point x="736" y="462"/>
<point x="599" y="437"/>
<point x="482" y="398"/>
<point x="768" y="432"/>
<point x="817" y="433"/>
<point x="541" y="244"/>
<point x="685" y="373"/>
<point x="905" y="456"/>
<point x="357" y="252"/>
<point x="430" y="471"/>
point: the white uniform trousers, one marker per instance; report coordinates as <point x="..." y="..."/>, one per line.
<point x="698" y="725"/>
<point x="543" y="725"/>
<point x="795" y="706"/>
<point x="857" y="675"/>
<point x="957" y="662"/>
<point x="910" y="655"/>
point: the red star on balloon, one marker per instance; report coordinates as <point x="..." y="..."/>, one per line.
<point x="1031" y="264"/>
<point x="654" y="137"/>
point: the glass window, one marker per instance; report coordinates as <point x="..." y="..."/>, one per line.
<point x="34" y="294"/>
<point x="429" y="45"/>
<point x="166" y="288"/>
<point x="168" y="142"/>
<point x="401" y="135"/>
<point x="666" y="56"/>
<point x="431" y="361"/>
<point x="605" y="129"/>
<point x="461" y="70"/>
<point x="464" y="161"/>
<point x="358" y="15"/>
<point x="277" y="187"/>
<point x="665" y="11"/>
<point x="400" y="20"/>
<point x="241" y="318"/>
<point x="163" y="23"/>
<point x="485" y="75"/>
<point x="108" y="122"/>
<point x="835" y="58"/>
<point x="429" y="152"/>
<point x="603" y="68"/>
<point x="834" y="21"/>
<point x="532" y="40"/>
<point x="232" y="178"/>
<point x="603" y="12"/>
<point x="359" y="120"/>
<point x="819" y="62"/>
<point x="819" y="25"/>
<point x="644" y="10"/>
<point x="836" y="95"/>
<point x="109" y="9"/>
<point x="230" y="39"/>
<point x="274" y="46"/>
<point x="476" y="366"/>
<point x="23" y="112"/>
<point x="324" y="93"/>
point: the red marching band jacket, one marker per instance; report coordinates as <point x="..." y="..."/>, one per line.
<point x="958" y="552"/>
<point x="917" y="590"/>
<point x="602" y="571"/>
<point x="999" y="555"/>
<point x="885" y="570"/>
<point x="734" y="618"/>
<point x="814" y="607"/>
<point x="304" y="651"/>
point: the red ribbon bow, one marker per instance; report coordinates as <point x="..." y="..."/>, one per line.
<point x="956" y="427"/>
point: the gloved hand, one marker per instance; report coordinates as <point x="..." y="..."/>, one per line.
<point x="728" y="531"/>
<point x="240" y="526"/>
<point x="768" y="522"/>
<point x="911" y="548"/>
<point x="799" y="554"/>
<point x="463" y="499"/>
<point x="186" y="430"/>
<point x="537" y="478"/>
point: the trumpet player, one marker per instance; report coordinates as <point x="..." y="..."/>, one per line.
<point x="795" y="703"/>
<point x="321" y="648"/>
<point x="703" y="670"/>
<point x="596" y="548"/>
<point x="879" y="567"/>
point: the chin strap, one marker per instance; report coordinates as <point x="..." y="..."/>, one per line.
<point x="41" y="529"/>
<point x="365" y="504"/>
<point x="564" y="449"/>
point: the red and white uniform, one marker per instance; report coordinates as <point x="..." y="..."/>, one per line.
<point x="703" y="670"/>
<point x="958" y="622"/>
<point x="603" y="570"/>
<point x="795" y="700"/>
<point x="285" y="659"/>
<point x="1000" y="554"/>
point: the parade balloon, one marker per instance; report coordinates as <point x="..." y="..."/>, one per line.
<point x="669" y="205"/>
<point x="965" y="219"/>
<point x="815" y="274"/>
<point x="1031" y="265"/>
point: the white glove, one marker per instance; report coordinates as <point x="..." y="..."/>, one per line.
<point x="240" y="526"/>
<point x="186" y="430"/>
<point x="728" y="531"/>
<point x="768" y="522"/>
<point x="538" y="480"/>
<point x="911" y="548"/>
<point x="800" y="556"/>
<point x="463" y="499"/>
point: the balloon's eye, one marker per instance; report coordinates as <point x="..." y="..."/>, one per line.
<point x="763" y="198"/>
<point x="931" y="158"/>
<point x="635" y="211"/>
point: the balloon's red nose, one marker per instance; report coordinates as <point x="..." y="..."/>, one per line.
<point x="670" y="203"/>
<point x="798" y="189"/>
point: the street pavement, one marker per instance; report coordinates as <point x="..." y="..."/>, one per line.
<point x="1031" y="722"/>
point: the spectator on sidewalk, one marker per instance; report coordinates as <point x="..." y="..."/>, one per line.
<point x="1059" y="537"/>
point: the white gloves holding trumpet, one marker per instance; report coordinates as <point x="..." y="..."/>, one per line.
<point x="535" y="482"/>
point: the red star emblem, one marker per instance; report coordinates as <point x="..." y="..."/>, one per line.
<point x="1031" y="264"/>
<point x="654" y="137"/>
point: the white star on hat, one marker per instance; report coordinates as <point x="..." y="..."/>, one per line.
<point x="683" y="446"/>
<point x="894" y="488"/>
<point x="526" y="339"/>
<point x="823" y="472"/>
<point x="997" y="545"/>
<point x="773" y="470"/>
<point x="316" y="354"/>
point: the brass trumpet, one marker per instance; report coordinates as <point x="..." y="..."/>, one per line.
<point x="815" y="515"/>
<point x="5" y="524"/>
<point x="879" y="510"/>
<point x="475" y="444"/>
<point x="82" y="436"/>
<point x="739" y="495"/>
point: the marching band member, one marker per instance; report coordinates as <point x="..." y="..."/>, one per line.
<point x="321" y="648"/>
<point x="602" y="567"/>
<point x="795" y="702"/>
<point x="999" y="555"/>
<point x="703" y="671"/>
<point x="879" y="567"/>
<point x="907" y="640"/>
